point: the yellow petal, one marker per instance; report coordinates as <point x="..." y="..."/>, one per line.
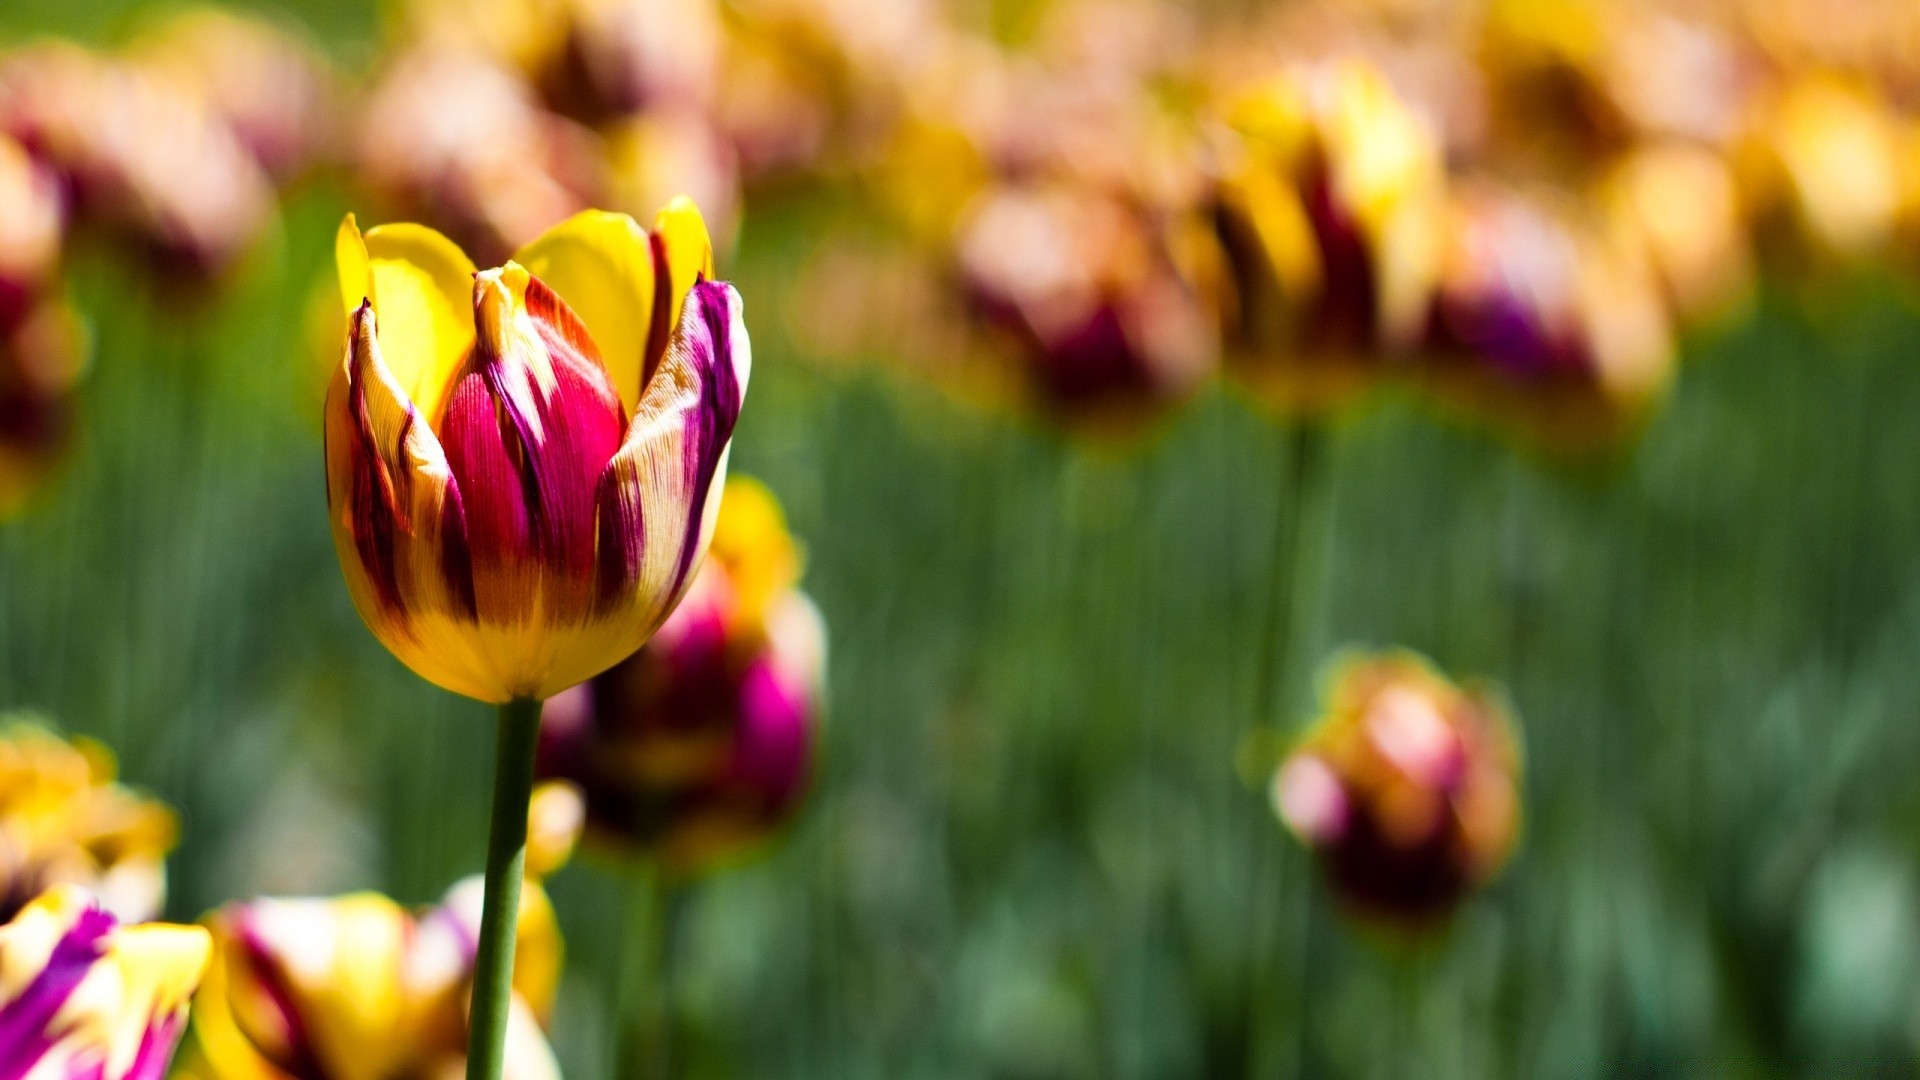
<point x="682" y="234"/>
<point x="601" y="264"/>
<point x="389" y="494"/>
<point x="421" y="285"/>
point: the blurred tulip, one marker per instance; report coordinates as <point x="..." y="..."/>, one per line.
<point x="32" y="224"/>
<point x="84" y="998"/>
<point x="703" y="742"/>
<point x="1406" y="789"/>
<point x="523" y="464"/>
<point x="1331" y="215"/>
<point x="451" y="137"/>
<point x="653" y="157"/>
<point x="146" y="160"/>
<point x="1680" y="201"/>
<point x="42" y="353"/>
<point x="270" y="86"/>
<point x="355" y="986"/>
<point x="1546" y="324"/>
<point x="65" y="821"/>
<point x="1821" y="173"/>
<point x="1090" y="293"/>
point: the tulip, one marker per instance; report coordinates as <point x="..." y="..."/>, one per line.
<point x="65" y="821"/>
<point x="356" y="986"/>
<point x="1544" y="322"/>
<point x="702" y="743"/>
<point x="520" y="495"/>
<point x="1330" y="211"/>
<point x="1090" y="295"/>
<point x="269" y="85"/>
<point x="493" y="172"/>
<point x="147" y="160"/>
<point x="42" y="354"/>
<point x="1821" y="173"/>
<point x="1406" y="789"/>
<point x="85" y="998"/>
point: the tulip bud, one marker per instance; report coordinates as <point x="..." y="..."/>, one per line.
<point x="1545" y="323"/>
<point x="85" y="998"/>
<point x="147" y="161"/>
<point x="1088" y="291"/>
<point x="493" y="172"/>
<point x="353" y="986"/>
<point x="65" y="821"/>
<point x="702" y="743"/>
<point x="42" y="353"/>
<point x="1820" y="171"/>
<point x="270" y="86"/>
<point x="1405" y="789"/>
<point x="523" y="464"/>
<point x="1330" y="213"/>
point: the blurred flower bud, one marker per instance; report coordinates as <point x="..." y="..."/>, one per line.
<point x="271" y="86"/>
<point x="1681" y="202"/>
<point x="1330" y="212"/>
<point x="1090" y="294"/>
<point x="619" y="58"/>
<point x="451" y="138"/>
<point x="32" y="222"/>
<point x="356" y="986"/>
<point x="1544" y="323"/>
<point x="147" y="161"/>
<point x="1820" y="172"/>
<point x="703" y="742"/>
<point x="1406" y="789"/>
<point x="655" y="156"/>
<point x="42" y="353"/>
<point x="65" y="821"/>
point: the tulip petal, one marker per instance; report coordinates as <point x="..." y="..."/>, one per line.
<point x="529" y="427"/>
<point x="683" y="253"/>
<point x="398" y="522"/>
<point x="421" y="287"/>
<point x="602" y="265"/>
<point x="659" y="498"/>
<point x="81" y="996"/>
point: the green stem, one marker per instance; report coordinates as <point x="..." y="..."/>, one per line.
<point x="506" y="866"/>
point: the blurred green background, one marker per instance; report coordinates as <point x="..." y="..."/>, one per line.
<point x="1039" y="845"/>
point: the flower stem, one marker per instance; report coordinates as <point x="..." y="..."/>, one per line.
<point x="506" y="866"/>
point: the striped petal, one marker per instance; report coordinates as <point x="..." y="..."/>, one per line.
<point x="83" y="997"/>
<point x="627" y="286"/>
<point x="529" y="427"/>
<point x="398" y="522"/>
<point x="421" y="286"/>
<point x="660" y="495"/>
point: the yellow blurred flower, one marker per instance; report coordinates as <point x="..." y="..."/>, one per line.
<point x="1407" y="788"/>
<point x="82" y="996"/>
<point x="355" y="986"/>
<point x="65" y="821"/>
<point x="523" y="465"/>
<point x="1331" y="212"/>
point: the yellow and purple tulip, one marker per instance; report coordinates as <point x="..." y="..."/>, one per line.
<point x="1330" y="212"/>
<point x="703" y="742"/>
<point x="356" y="986"/>
<point x="85" y="998"/>
<point x="1545" y="322"/>
<point x="65" y="821"/>
<point x="524" y="464"/>
<point x="1406" y="789"/>
<point x="1090" y="292"/>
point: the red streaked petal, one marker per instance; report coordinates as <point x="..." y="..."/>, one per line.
<point x="659" y="496"/>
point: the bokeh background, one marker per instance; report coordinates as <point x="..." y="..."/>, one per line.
<point x="1040" y="843"/>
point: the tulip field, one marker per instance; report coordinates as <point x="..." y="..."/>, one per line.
<point x="627" y="539"/>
